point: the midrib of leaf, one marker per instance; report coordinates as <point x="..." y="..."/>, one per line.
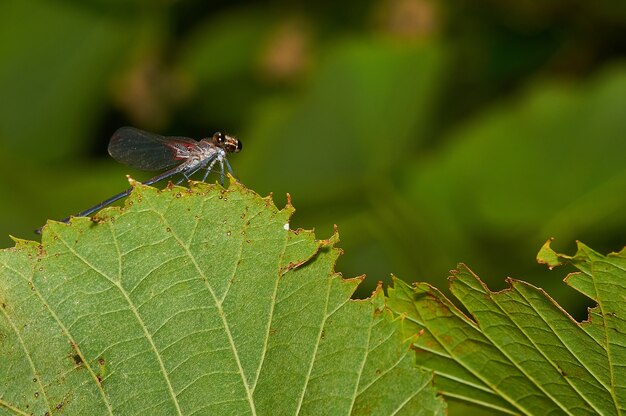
<point x="221" y="313"/>
<point x="137" y="316"/>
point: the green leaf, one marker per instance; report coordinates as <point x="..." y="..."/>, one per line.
<point x="520" y="352"/>
<point x="197" y="301"/>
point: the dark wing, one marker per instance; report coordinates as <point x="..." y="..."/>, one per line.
<point x="147" y="151"/>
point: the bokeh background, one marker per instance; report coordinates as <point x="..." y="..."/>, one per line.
<point x="431" y="132"/>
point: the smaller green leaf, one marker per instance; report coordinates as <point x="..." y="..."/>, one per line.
<point x="520" y="352"/>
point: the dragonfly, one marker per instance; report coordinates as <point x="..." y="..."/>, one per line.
<point x="150" y="152"/>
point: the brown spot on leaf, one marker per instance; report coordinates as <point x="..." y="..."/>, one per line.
<point x="78" y="361"/>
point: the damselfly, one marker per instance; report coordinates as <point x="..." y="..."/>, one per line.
<point x="184" y="157"/>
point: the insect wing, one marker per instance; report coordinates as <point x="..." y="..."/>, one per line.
<point x="147" y="151"/>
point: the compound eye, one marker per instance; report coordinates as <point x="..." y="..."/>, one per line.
<point x="239" y="146"/>
<point x="218" y="138"/>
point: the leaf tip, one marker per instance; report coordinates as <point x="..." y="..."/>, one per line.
<point x="455" y="273"/>
<point x="548" y="256"/>
<point x="233" y="183"/>
<point x="21" y="243"/>
<point x="332" y="240"/>
<point x="132" y="182"/>
<point x="289" y="209"/>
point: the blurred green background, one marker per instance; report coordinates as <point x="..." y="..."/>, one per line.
<point x="430" y="132"/>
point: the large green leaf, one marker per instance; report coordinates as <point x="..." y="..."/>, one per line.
<point x="520" y="352"/>
<point x="198" y="301"/>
